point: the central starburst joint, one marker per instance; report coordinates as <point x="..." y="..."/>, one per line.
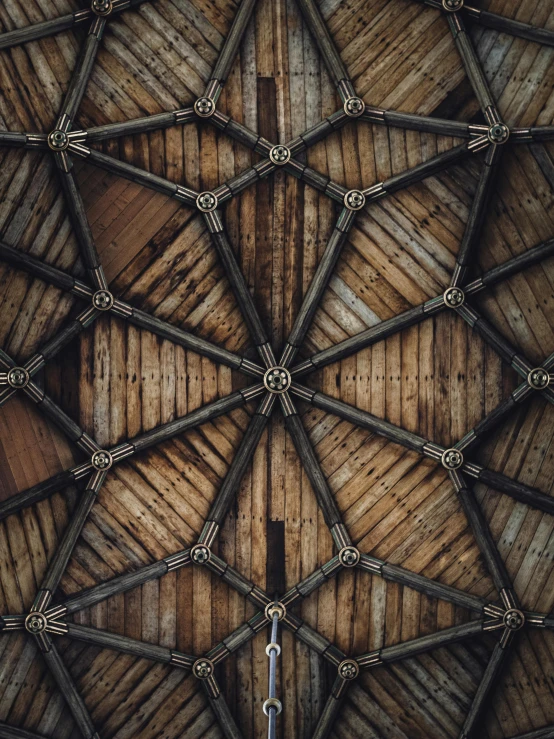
<point x="101" y="460"/>
<point x="204" y="107"/>
<point x="454" y="297"/>
<point x="452" y="459"/>
<point x="354" y="107"/>
<point x="498" y="133"/>
<point x="277" y="379"/>
<point x="349" y="669"/>
<point x="349" y="556"/>
<point x="452" y="5"/>
<point x="275" y="608"/>
<point x="514" y="619"/>
<point x="35" y="623"/>
<point x="102" y="300"/>
<point x="18" y="377"/>
<point x="206" y="202"/>
<point x="279" y="154"/>
<point x="538" y="378"/>
<point x="200" y="554"/>
<point x="354" y="200"/>
<point x="203" y="668"/>
<point x="58" y="140"/>
<point x="101" y="7"/>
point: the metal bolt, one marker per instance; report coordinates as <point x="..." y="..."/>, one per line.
<point x="514" y="619"/>
<point x="275" y="608"/>
<point x="203" y="668"/>
<point x="102" y="300"/>
<point x="18" y="377"/>
<point x="200" y="554"/>
<point x="277" y="379"/>
<point x="452" y="459"/>
<point x="58" y="140"/>
<point x="204" y="107"/>
<point x="499" y="133"/>
<point x="35" y="622"/>
<point x="538" y="378"/>
<point x="354" y="200"/>
<point x="101" y="460"/>
<point x="206" y="202"/>
<point x="452" y="5"/>
<point x="279" y="154"/>
<point x="272" y="703"/>
<point x="349" y="669"/>
<point x="454" y="297"/>
<point x="101" y="7"/>
<point x="354" y="107"/>
<point x="349" y="556"/>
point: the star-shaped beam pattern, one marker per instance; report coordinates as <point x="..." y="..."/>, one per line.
<point x="277" y="382"/>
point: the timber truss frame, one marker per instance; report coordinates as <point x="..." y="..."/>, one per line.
<point x="276" y="381"/>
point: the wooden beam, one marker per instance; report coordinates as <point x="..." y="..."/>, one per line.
<point x="140" y="125"/>
<point x="322" y="37"/>
<point x="46" y="28"/>
<point x="230" y="48"/>
<point x="11" y="732"/>
<point x="331" y="708"/>
<point x="481" y="699"/>
<point x="513" y="488"/>
<point x="38" y="492"/>
<point x="424" y="123"/>
<point x="421" y="171"/>
<point x="495" y="417"/>
<point x="221" y="710"/>
<point x="511" y="26"/>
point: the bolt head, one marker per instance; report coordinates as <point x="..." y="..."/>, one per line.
<point x="206" y="202"/>
<point x="200" y="554"/>
<point x="499" y="133"/>
<point x="203" y="668"/>
<point x="35" y="623"/>
<point x="101" y="460"/>
<point x="538" y="378"/>
<point x="454" y="297"/>
<point x="273" y="608"/>
<point x="102" y="300"/>
<point x="354" y="200"/>
<point x="349" y="556"/>
<point x="514" y="619"/>
<point x="452" y="459"/>
<point x="204" y="107"/>
<point x="277" y="379"/>
<point x="58" y="140"/>
<point x="18" y="377"/>
<point x="354" y="107"/>
<point x="349" y="669"/>
<point x="279" y="154"/>
<point x="101" y="7"/>
<point x="452" y="5"/>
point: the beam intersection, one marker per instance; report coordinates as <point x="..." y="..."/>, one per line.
<point x="275" y="378"/>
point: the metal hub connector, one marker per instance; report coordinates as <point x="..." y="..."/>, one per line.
<point x="200" y="554"/>
<point x="354" y="107"/>
<point x="102" y="300"/>
<point x="101" y="460"/>
<point x="203" y="668"/>
<point x="18" y="377"/>
<point x="204" y="107"/>
<point x="354" y="200"/>
<point x="272" y="703"/>
<point x="514" y="619"/>
<point x="349" y="556"/>
<point x="279" y="154"/>
<point x="277" y="379"/>
<point x="35" y="623"/>
<point x="349" y="669"/>
<point x="101" y="7"/>
<point x="275" y="608"/>
<point x="58" y="140"/>
<point x="452" y="5"/>
<point x="499" y="133"/>
<point x="538" y="378"/>
<point x="206" y="202"/>
<point x="452" y="459"/>
<point x="453" y="297"/>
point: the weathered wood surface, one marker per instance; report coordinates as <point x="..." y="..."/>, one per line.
<point x="437" y="379"/>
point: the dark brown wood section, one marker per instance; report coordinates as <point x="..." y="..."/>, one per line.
<point x="277" y="324"/>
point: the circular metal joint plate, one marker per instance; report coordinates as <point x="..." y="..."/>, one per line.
<point x="101" y="7"/>
<point x="204" y="107"/>
<point x="58" y="140"/>
<point x="278" y="608"/>
<point x="499" y="133"/>
<point x="272" y="703"/>
<point x="279" y="154"/>
<point x="354" y="107"/>
<point x="102" y="300"/>
<point x="203" y="668"/>
<point x="349" y="556"/>
<point x="101" y="460"/>
<point x="349" y="669"/>
<point x="35" y="623"/>
<point x="206" y="202"/>
<point x="454" y="297"/>
<point x="200" y="554"/>
<point x="452" y="459"/>
<point x="274" y="646"/>
<point x="277" y="379"/>
<point x="514" y="619"/>
<point x="538" y="378"/>
<point x="18" y="377"/>
<point x="354" y="200"/>
<point x="452" y="5"/>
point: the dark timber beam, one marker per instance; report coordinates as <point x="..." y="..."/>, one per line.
<point x="511" y="26"/>
<point x="331" y="708"/>
<point x="482" y="697"/>
<point x="139" y="125"/>
<point x="221" y="710"/>
<point x="11" y="732"/>
<point x="46" y="28"/>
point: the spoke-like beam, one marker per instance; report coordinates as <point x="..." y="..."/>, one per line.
<point x="46" y="28"/>
<point x="511" y="26"/>
<point x="311" y="583"/>
<point x="482" y="697"/>
<point x="331" y="708"/>
<point x="34" y="494"/>
<point x="317" y="285"/>
<point x="428" y="124"/>
<point x="234" y="579"/>
<point x="546" y="733"/>
<point x="139" y="125"/>
<point x="221" y="709"/>
<point x="68" y="689"/>
<point x="513" y="488"/>
<point x="11" y="732"/>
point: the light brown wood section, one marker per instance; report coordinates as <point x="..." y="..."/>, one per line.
<point x="437" y="379"/>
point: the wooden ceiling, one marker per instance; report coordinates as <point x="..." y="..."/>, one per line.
<point x="359" y="194"/>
